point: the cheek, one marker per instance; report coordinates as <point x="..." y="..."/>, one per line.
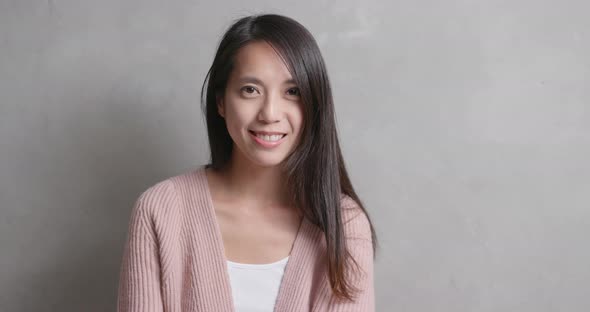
<point x="235" y="118"/>
<point x="298" y="119"/>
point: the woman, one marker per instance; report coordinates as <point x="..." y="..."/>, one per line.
<point x="273" y="222"/>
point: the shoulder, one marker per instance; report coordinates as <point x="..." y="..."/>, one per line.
<point x="165" y="194"/>
<point x="156" y="197"/>
<point x="354" y="219"/>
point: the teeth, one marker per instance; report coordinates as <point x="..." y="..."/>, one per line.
<point x="270" y="138"/>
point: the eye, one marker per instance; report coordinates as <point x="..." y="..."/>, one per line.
<point x="294" y="91"/>
<point x="249" y="89"/>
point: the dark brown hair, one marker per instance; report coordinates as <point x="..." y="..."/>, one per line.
<point x="315" y="170"/>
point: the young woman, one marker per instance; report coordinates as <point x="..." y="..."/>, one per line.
<point x="272" y="223"/>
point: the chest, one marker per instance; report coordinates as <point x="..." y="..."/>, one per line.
<point x="256" y="236"/>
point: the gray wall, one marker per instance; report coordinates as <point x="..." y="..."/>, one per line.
<point x="465" y="126"/>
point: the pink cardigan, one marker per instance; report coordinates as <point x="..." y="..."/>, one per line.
<point x="174" y="258"/>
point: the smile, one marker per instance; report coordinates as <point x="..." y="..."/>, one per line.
<point x="266" y="140"/>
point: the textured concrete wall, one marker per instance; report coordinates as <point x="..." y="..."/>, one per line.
<point x="465" y="126"/>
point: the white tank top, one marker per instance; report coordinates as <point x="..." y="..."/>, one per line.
<point x="255" y="286"/>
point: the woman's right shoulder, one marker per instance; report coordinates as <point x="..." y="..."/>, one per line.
<point x="158" y="197"/>
<point x="168" y="192"/>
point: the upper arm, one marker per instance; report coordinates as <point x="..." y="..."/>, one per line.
<point x="358" y="237"/>
<point x="140" y="278"/>
<point x="359" y="243"/>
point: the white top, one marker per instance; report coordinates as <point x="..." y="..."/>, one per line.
<point x="255" y="286"/>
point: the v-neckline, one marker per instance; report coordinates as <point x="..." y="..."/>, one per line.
<point x="289" y="279"/>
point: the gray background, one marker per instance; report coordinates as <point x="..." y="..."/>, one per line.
<point x="465" y="126"/>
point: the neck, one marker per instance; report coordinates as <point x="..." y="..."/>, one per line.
<point x="252" y="183"/>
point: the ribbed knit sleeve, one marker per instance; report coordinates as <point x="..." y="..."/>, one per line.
<point x="139" y="282"/>
<point x="357" y="232"/>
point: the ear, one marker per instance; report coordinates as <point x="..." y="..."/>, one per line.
<point x="221" y="106"/>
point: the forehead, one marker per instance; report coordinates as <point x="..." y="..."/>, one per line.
<point x="258" y="59"/>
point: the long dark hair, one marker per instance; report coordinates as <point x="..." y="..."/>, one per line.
<point x="315" y="170"/>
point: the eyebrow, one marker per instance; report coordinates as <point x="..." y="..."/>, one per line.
<point x="255" y="80"/>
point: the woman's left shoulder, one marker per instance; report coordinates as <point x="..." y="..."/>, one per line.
<point x="354" y="218"/>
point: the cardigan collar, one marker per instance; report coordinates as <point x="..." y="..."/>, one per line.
<point x="291" y="291"/>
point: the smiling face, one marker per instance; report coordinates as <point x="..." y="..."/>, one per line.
<point x="261" y="106"/>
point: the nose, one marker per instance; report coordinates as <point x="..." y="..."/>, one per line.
<point x="270" y="110"/>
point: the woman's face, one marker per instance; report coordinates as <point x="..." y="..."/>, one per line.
<point x="261" y="106"/>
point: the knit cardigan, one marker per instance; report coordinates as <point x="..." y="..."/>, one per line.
<point x="174" y="258"/>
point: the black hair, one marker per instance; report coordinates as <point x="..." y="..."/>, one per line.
<point x="315" y="170"/>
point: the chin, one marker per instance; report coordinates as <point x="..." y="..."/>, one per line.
<point x="265" y="160"/>
<point x="265" y="163"/>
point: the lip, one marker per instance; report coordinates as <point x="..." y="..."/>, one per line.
<point x="267" y="132"/>
<point x="264" y="143"/>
